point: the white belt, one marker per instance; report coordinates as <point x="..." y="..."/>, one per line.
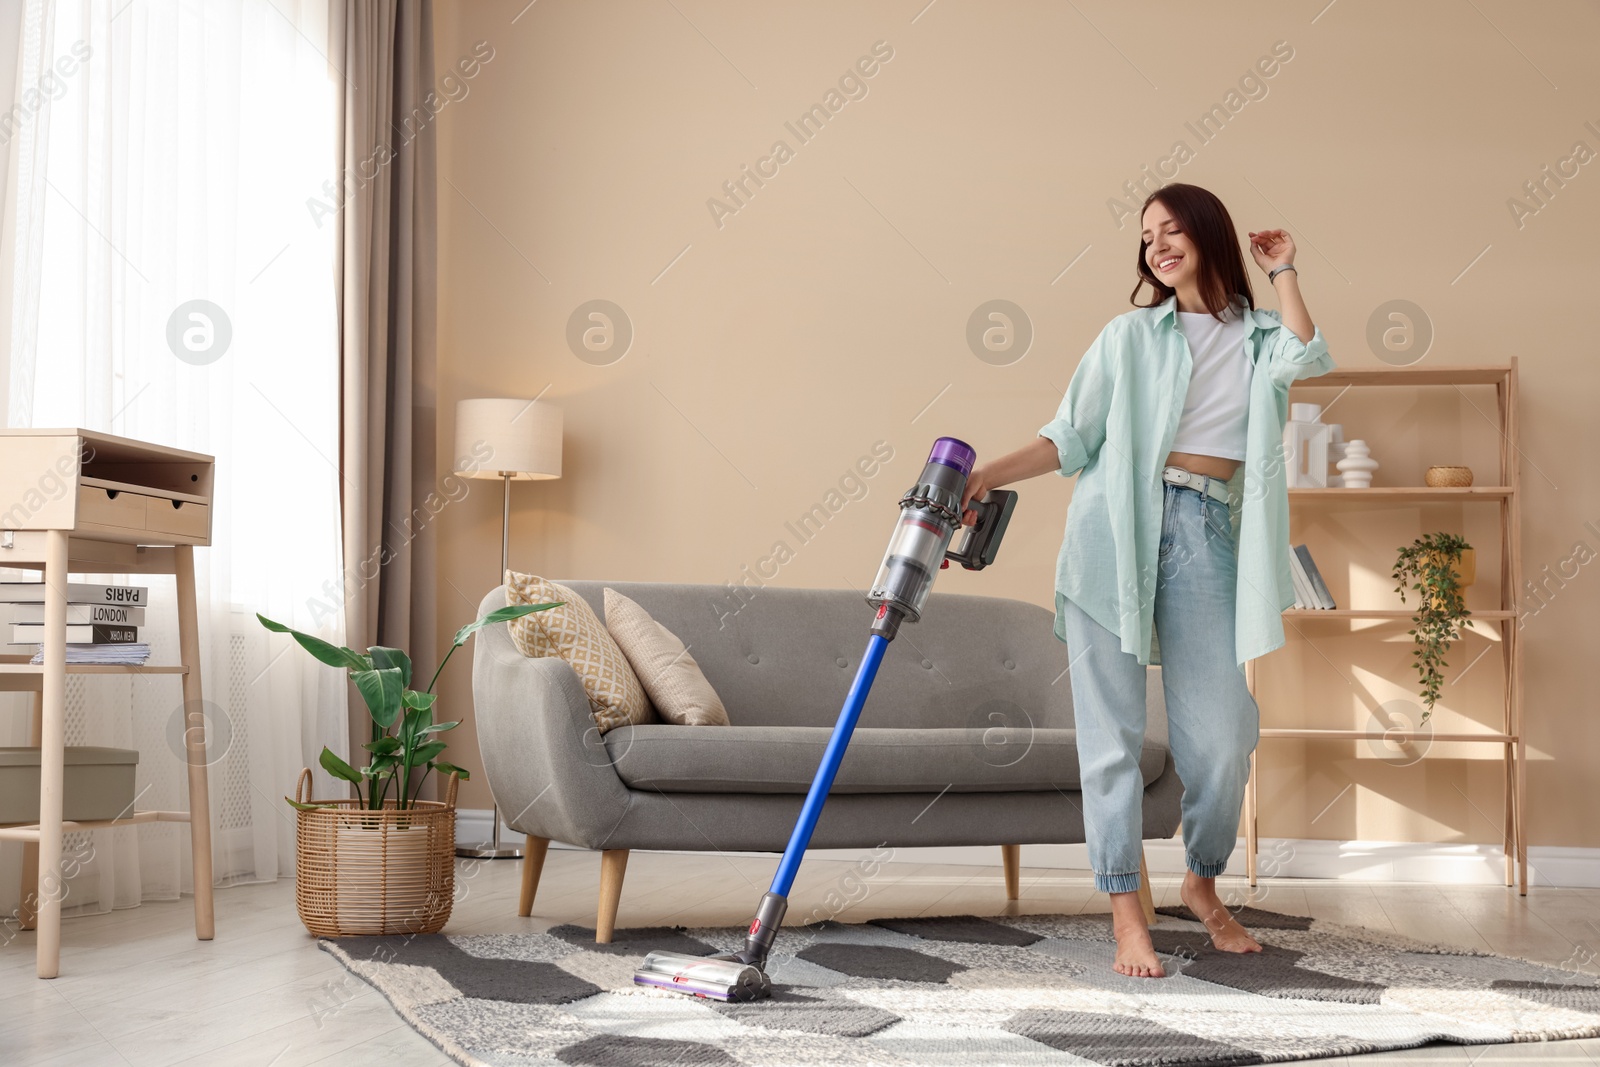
<point x="1203" y="483"/>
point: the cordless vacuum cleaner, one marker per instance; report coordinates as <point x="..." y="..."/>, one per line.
<point x="930" y="513"/>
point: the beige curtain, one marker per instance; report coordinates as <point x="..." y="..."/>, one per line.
<point x="387" y="280"/>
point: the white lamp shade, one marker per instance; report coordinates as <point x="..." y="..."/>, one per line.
<point x="495" y="437"/>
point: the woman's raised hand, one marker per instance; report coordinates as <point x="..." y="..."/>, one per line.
<point x="1271" y="248"/>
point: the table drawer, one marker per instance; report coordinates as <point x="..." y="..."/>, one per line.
<point x="180" y="517"/>
<point x="140" y="516"/>
<point x="111" y="507"/>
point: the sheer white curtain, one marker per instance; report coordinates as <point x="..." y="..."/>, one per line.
<point x="173" y="157"/>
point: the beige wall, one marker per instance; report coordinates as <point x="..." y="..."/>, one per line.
<point x="829" y="312"/>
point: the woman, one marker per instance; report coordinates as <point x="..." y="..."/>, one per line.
<point x="1177" y="539"/>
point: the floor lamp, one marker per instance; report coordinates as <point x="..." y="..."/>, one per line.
<point x="515" y="441"/>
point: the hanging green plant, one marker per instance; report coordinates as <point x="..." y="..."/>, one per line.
<point x="1432" y="566"/>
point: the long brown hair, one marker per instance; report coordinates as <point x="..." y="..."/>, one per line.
<point x="1206" y="221"/>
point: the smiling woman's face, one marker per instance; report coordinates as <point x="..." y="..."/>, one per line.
<point x="1170" y="254"/>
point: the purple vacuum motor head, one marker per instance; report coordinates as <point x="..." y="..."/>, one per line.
<point x="954" y="453"/>
<point x="930" y="512"/>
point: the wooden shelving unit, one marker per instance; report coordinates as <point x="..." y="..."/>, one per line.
<point x="1505" y="496"/>
<point x="115" y="506"/>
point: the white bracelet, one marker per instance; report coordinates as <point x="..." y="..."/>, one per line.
<point x="1272" y="275"/>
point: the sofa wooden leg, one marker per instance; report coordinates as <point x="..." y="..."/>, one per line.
<point x="1146" y="902"/>
<point x="1011" y="857"/>
<point x="533" y="850"/>
<point x="613" y="864"/>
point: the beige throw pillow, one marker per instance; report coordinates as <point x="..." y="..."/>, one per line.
<point x="677" y="687"/>
<point x="574" y="633"/>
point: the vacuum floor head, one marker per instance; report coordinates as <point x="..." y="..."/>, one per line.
<point x="713" y="977"/>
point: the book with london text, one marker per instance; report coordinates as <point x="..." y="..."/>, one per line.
<point x="111" y="614"/>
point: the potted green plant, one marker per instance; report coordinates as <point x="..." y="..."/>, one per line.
<point x="382" y="864"/>
<point x="1438" y="566"/>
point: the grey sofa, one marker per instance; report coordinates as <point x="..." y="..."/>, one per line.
<point x="967" y="737"/>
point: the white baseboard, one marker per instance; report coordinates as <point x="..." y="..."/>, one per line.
<point x="1357" y="861"/>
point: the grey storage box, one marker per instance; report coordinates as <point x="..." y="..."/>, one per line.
<point x="99" y="784"/>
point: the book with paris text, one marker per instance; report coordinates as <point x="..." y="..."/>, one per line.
<point x="132" y="596"/>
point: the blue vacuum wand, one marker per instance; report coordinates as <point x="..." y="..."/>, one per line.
<point x="930" y="515"/>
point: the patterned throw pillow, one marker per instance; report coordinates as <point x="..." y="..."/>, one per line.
<point x="677" y="687"/>
<point x="574" y="633"/>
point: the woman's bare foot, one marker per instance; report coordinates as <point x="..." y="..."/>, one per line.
<point x="1136" y="956"/>
<point x="1199" y="895"/>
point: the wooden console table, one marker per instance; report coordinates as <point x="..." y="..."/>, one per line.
<point x="77" y="500"/>
<point x="1506" y="496"/>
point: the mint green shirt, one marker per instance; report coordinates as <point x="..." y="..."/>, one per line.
<point x="1116" y="424"/>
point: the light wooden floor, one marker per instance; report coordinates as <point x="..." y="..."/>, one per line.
<point x="136" y="988"/>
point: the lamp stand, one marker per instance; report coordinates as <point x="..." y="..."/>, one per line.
<point x="492" y="849"/>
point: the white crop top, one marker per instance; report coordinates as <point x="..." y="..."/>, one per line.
<point x="1213" y="419"/>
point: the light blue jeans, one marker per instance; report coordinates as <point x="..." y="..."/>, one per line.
<point x="1212" y="720"/>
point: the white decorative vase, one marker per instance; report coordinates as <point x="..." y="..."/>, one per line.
<point x="1336" y="452"/>
<point x="1305" y="447"/>
<point x="1357" y="466"/>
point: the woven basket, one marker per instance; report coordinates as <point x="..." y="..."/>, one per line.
<point x="1448" y="477"/>
<point x="359" y="871"/>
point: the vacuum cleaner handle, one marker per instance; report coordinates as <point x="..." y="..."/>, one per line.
<point x="980" y="542"/>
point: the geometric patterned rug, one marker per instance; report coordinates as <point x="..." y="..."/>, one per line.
<point x="1030" y="989"/>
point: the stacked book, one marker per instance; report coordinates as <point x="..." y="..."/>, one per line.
<point x="103" y="621"/>
<point x="1310" y="591"/>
